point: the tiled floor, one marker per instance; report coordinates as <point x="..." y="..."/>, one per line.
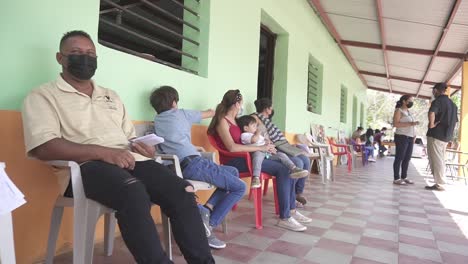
<point x="360" y="218"/>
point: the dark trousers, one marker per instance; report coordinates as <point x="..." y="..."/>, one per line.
<point x="131" y="194"/>
<point x="403" y="153"/>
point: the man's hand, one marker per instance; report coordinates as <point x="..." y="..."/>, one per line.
<point x="120" y="157"/>
<point x="207" y="113"/>
<point x="433" y="125"/>
<point x="143" y="149"/>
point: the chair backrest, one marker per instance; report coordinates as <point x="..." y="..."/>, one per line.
<point x="317" y="133"/>
<point x="223" y="157"/>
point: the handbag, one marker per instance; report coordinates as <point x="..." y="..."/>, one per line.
<point x="290" y="150"/>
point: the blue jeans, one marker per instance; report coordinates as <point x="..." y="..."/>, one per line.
<point x="302" y="162"/>
<point x="284" y="184"/>
<point x="229" y="188"/>
<point x="403" y="153"/>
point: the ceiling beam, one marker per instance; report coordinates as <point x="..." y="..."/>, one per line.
<point x="329" y="25"/>
<point x="440" y="42"/>
<point x="426" y="52"/>
<point x="406" y="79"/>
<point x="396" y="92"/>
<point x="384" y="42"/>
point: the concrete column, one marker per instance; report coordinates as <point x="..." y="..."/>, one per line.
<point x="463" y="136"/>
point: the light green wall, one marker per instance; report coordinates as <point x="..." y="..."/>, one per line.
<point x="31" y="31"/>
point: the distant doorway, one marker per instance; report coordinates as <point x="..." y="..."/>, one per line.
<point x="266" y="63"/>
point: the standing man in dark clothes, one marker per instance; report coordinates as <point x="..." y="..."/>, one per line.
<point x="442" y="119"/>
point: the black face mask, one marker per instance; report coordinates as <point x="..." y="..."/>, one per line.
<point x="409" y="104"/>
<point x="82" y="67"/>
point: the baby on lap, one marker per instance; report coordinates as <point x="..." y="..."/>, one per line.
<point x="251" y="136"/>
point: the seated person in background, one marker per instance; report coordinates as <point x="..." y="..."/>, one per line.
<point x="251" y="136"/>
<point x="356" y="134"/>
<point x="263" y="115"/>
<point x="174" y="125"/>
<point x="72" y="118"/>
<point x="369" y="144"/>
<point x="379" y="134"/>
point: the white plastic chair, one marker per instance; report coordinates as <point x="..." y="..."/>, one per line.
<point x="326" y="157"/>
<point x="87" y="212"/>
<point x="7" y="245"/>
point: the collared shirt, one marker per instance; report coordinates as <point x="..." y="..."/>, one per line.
<point x="57" y="110"/>
<point x="175" y="126"/>
<point x="446" y="113"/>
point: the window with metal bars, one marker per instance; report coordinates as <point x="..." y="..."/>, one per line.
<point x="343" y="103"/>
<point x="314" y="86"/>
<point x="163" y="31"/>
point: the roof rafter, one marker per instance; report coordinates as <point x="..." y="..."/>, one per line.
<point x="395" y="92"/>
<point x="406" y="79"/>
<point x="426" y="52"/>
<point x="440" y="42"/>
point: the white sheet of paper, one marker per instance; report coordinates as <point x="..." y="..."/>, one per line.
<point x="150" y="139"/>
<point x="10" y="196"/>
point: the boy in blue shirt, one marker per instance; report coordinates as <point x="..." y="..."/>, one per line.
<point x="174" y="125"/>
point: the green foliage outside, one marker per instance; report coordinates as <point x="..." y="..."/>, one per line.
<point x="381" y="107"/>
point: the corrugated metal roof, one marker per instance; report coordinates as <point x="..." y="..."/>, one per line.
<point x="371" y="67"/>
<point x="412" y="61"/>
<point x="353" y="8"/>
<point x="367" y="55"/>
<point x="412" y="35"/>
<point x="406" y="72"/>
<point x="413" y="27"/>
<point x="457" y="39"/>
<point x="356" y="28"/>
<point x="430" y="12"/>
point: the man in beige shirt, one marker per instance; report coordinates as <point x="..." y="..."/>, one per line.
<point x="72" y="118"/>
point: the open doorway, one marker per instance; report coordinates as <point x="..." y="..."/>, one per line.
<point x="266" y="63"/>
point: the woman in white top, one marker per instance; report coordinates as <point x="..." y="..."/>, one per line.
<point x="404" y="139"/>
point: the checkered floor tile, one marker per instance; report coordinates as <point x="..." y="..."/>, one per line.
<point x="360" y="218"/>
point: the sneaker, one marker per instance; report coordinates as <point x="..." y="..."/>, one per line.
<point x="300" y="217"/>
<point x="301" y="199"/>
<point x="214" y="242"/>
<point x="408" y="181"/>
<point x="435" y="187"/>
<point x="399" y="182"/>
<point x="298" y="173"/>
<point x="371" y="160"/>
<point x="205" y="216"/>
<point x="299" y="205"/>
<point x="291" y="224"/>
<point x="255" y="183"/>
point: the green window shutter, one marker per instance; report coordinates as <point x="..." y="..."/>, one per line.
<point x="314" y="86"/>
<point x="343" y="104"/>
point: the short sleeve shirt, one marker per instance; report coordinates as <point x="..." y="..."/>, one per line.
<point x="246" y="139"/>
<point x="446" y="115"/>
<point x="57" y="110"/>
<point x="175" y="126"/>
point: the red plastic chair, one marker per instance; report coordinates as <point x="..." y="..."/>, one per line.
<point x="225" y="156"/>
<point x="341" y="150"/>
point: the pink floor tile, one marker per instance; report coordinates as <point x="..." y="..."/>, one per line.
<point x="405" y="259"/>
<point x="356" y="260"/>
<point x="289" y="249"/>
<point x="335" y="245"/>
<point x="237" y="252"/>
<point x="347" y="228"/>
<point x="379" y="243"/>
<point x="413" y="225"/>
<point x="454" y="258"/>
<point x="417" y="241"/>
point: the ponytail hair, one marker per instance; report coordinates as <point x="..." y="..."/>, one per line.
<point x="230" y="98"/>
<point x="405" y="97"/>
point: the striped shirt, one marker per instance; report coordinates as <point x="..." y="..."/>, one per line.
<point x="273" y="131"/>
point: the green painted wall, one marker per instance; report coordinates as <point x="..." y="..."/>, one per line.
<point x="31" y="31"/>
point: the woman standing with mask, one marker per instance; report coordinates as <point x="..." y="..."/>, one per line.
<point x="404" y="139"/>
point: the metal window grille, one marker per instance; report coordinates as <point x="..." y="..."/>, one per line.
<point x="163" y="31"/>
<point x="343" y="104"/>
<point x="314" y="86"/>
